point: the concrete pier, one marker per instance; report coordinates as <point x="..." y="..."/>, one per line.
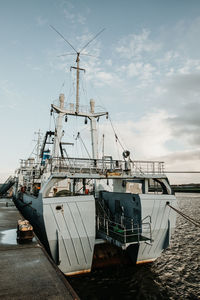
<point x="26" y="271"/>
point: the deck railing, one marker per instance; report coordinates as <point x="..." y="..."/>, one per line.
<point x="105" y="165"/>
<point x="125" y="234"/>
<point x="108" y="166"/>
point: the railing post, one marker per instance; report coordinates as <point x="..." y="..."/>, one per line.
<point x="132" y="225"/>
<point x="138" y="233"/>
<point x="107" y="232"/>
<point x="125" y="235"/>
<point x="98" y="222"/>
<point x="150" y="232"/>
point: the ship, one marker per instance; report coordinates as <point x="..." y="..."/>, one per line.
<point x="77" y="203"/>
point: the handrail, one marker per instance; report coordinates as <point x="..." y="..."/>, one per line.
<point x="105" y="165"/>
<point x="119" y="231"/>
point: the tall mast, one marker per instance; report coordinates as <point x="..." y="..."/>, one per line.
<point x="77" y="83"/>
<point x="93" y="126"/>
<point x="77" y="80"/>
<point x="92" y="115"/>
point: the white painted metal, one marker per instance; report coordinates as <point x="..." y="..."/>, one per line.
<point x="58" y="130"/>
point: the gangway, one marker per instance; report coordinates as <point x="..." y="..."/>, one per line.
<point x="7" y="185"/>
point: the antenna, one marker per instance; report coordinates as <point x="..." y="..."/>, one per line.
<point x="65" y="54"/>
<point x="77" y="61"/>
<point x="86" y="54"/>
<point x="92" y="39"/>
<point x="63" y="38"/>
<point x="77" y="52"/>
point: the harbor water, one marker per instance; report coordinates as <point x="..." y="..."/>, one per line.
<point x="175" y="275"/>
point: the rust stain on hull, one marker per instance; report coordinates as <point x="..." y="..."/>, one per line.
<point x="145" y="261"/>
<point x="78" y="272"/>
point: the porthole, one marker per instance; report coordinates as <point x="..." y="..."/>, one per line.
<point x="58" y="207"/>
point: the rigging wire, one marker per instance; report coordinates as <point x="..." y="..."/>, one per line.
<point x="188" y="218"/>
<point x="62" y="86"/>
<point x="85" y="89"/>
<point x="118" y="151"/>
<point x="79" y="137"/>
<point x="116" y="136"/>
<point x="32" y="151"/>
<point x="70" y="87"/>
<point x="63" y="38"/>
<point x="92" y="40"/>
<point x="76" y="147"/>
<point x="100" y="145"/>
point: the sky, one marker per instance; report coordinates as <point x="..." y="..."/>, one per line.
<point x="144" y="68"/>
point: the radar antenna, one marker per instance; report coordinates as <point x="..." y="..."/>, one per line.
<point x="77" y="60"/>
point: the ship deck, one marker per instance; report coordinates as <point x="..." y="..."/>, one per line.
<point x="27" y="272"/>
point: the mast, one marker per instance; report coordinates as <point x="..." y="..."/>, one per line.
<point x="77" y="83"/>
<point x="77" y="80"/>
<point x="61" y="111"/>
<point x="39" y="134"/>
<point x="58" y="129"/>
<point x="94" y="138"/>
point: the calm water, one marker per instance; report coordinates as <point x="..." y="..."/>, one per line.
<point x="175" y="275"/>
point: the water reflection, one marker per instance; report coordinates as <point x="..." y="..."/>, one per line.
<point x="8" y="237"/>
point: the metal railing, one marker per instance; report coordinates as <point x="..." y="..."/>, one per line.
<point x="129" y="233"/>
<point x="103" y="166"/>
<point x="71" y="107"/>
<point x="114" y="167"/>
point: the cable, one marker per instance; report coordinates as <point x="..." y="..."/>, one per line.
<point x="193" y="221"/>
<point x="79" y="136"/>
<point x="116" y="137"/>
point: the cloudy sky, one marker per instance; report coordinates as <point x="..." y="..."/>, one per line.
<point x="144" y="69"/>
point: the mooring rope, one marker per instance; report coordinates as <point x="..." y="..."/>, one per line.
<point x="195" y="222"/>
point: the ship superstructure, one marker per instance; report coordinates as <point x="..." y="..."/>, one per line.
<point x="75" y="203"/>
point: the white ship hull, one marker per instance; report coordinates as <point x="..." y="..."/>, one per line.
<point x="67" y="227"/>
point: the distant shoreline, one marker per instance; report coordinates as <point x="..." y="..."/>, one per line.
<point x="186" y="188"/>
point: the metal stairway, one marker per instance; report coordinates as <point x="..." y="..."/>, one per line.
<point x="7" y="185"/>
<point x="121" y="234"/>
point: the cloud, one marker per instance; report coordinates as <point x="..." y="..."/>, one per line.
<point x="74" y="17"/>
<point x="41" y="21"/>
<point x="186" y="125"/>
<point x="144" y="72"/>
<point x="105" y="77"/>
<point x="10" y="95"/>
<point x="134" y="45"/>
<point x="108" y="62"/>
<point x="180" y="97"/>
<point x="182" y="156"/>
<point x="144" y="138"/>
<point x="185" y="160"/>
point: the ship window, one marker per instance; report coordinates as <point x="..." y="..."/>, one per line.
<point x="134" y="187"/>
<point x="58" y="207"/>
<point x="155" y="187"/>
